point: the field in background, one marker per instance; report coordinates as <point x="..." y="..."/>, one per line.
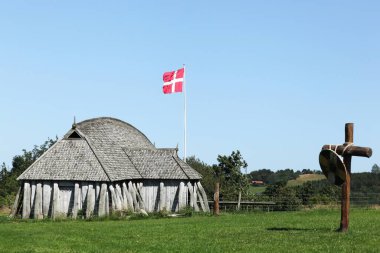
<point x="302" y="231"/>
<point x="304" y="178"/>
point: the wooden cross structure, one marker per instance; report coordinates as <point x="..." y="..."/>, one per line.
<point x="347" y="150"/>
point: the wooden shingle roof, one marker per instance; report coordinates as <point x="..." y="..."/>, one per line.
<point x="107" y="149"/>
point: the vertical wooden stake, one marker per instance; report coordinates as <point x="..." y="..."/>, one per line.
<point x="216" y="199"/>
<point x="346" y="188"/>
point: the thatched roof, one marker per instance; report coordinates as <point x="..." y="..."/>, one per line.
<point x="107" y="149"/>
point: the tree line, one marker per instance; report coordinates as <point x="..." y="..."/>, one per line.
<point x="234" y="184"/>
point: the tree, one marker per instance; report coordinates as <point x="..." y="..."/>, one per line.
<point x="233" y="181"/>
<point x="206" y="171"/>
<point x="8" y="179"/>
<point x="375" y="169"/>
<point x="261" y="175"/>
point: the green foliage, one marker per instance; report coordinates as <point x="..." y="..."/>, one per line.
<point x="375" y="169"/>
<point x="207" y="174"/>
<point x="270" y="177"/>
<point x="301" y="231"/>
<point x="228" y="173"/>
<point x="8" y="182"/>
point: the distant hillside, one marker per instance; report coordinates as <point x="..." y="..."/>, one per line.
<point x="301" y="179"/>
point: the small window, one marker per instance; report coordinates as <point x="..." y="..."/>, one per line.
<point x="74" y="135"/>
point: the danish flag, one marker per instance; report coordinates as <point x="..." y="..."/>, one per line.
<point x="173" y="81"/>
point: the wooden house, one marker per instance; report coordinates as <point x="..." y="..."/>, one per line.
<point x="103" y="165"/>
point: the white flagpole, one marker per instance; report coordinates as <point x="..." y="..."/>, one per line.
<point x="185" y="118"/>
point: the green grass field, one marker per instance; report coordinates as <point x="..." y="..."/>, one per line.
<point x="303" y="231"/>
<point x="301" y="179"/>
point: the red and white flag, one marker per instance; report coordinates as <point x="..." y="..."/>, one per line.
<point x="173" y="81"/>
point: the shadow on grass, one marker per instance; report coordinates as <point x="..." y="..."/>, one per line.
<point x="297" y="229"/>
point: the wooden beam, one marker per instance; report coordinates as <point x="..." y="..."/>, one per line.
<point x="76" y="201"/>
<point x="138" y="195"/>
<point x="26" y="201"/>
<point x="90" y="201"/>
<point x="162" y="197"/>
<point x="16" y="203"/>
<point x="56" y="208"/>
<point x="119" y="195"/>
<point x="346" y="187"/>
<point x="102" y="200"/>
<point x="46" y="199"/>
<point x="216" y="199"/>
<point x="204" y="196"/>
<point x="193" y="201"/>
<point x="116" y="204"/>
<point x="181" y="192"/>
<point x="134" y="197"/>
<point x="350" y="150"/>
<point x="38" y="202"/>
<point x="129" y="196"/>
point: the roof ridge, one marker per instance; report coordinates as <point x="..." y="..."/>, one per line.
<point x="39" y="158"/>
<point x="175" y="159"/>
<point x="124" y="150"/>
<point x="93" y="151"/>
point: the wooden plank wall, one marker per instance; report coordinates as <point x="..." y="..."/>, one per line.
<point x="42" y="199"/>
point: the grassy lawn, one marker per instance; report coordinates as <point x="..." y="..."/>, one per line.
<point x="256" y="189"/>
<point x="303" y="231"/>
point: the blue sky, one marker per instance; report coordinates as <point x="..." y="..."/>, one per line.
<point x="274" y="79"/>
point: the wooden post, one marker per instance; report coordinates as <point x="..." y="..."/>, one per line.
<point x="129" y="196"/>
<point x="134" y="197"/>
<point x="90" y="201"/>
<point x="347" y="150"/>
<point x="16" y="203"/>
<point x="162" y="196"/>
<point x="56" y="208"/>
<point x="102" y="200"/>
<point x="204" y="196"/>
<point x="193" y="201"/>
<point x="216" y="198"/>
<point x="76" y="204"/>
<point x="38" y="202"/>
<point x="46" y="199"/>
<point x="346" y="187"/>
<point x="26" y="201"/>
<point x="239" y="200"/>
<point x="181" y="203"/>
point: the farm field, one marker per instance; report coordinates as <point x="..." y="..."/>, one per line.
<point x="301" y="231"/>
<point x="301" y="179"/>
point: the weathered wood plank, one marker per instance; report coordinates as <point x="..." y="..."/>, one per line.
<point x="199" y="195"/>
<point x="32" y="196"/>
<point x="76" y="201"/>
<point x="116" y="204"/>
<point x="102" y="200"/>
<point x="38" y="202"/>
<point x="46" y="199"/>
<point x="204" y="196"/>
<point x="134" y="197"/>
<point x="128" y="201"/>
<point x="84" y="196"/>
<point x="181" y="202"/>
<point x="119" y="195"/>
<point x="26" y="201"/>
<point x="90" y="201"/>
<point x="140" y="200"/>
<point x="16" y="203"/>
<point x="107" y="203"/>
<point x="56" y="208"/>
<point x="193" y="202"/>
<point x="162" y="196"/>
